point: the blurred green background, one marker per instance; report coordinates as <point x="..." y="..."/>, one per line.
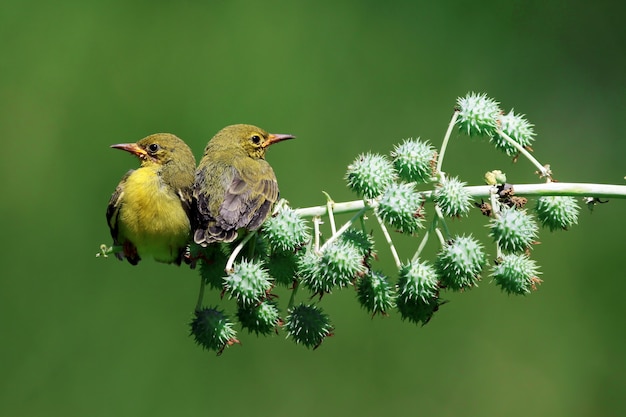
<point x="92" y="337"/>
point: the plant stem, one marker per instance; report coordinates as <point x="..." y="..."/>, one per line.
<point x="543" y="169"/>
<point x="442" y="240"/>
<point x="478" y="191"/>
<point x="442" y="220"/>
<point x="200" y="294"/>
<point x="317" y="220"/>
<point x="389" y="241"/>
<point x="331" y="217"/>
<point x="446" y="139"/>
<point x="294" y="291"/>
<point x="422" y="244"/>
<point x="231" y="259"/>
<point x="337" y="233"/>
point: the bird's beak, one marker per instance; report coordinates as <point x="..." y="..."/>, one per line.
<point x="132" y="148"/>
<point x="276" y="137"/>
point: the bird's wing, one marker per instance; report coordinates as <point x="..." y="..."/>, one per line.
<point x="113" y="208"/>
<point x="186" y="198"/>
<point x="249" y="198"/>
<point x="246" y="201"/>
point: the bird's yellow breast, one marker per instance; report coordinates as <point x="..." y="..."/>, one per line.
<point x="152" y="216"/>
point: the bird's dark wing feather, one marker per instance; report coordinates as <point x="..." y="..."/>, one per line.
<point x="114" y="205"/>
<point x="187" y="201"/>
<point x="246" y="203"/>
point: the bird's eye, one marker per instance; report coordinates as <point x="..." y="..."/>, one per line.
<point x="256" y="139"/>
<point x="153" y="147"/>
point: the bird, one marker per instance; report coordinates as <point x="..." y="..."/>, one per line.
<point x="234" y="187"/>
<point x="149" y="214"/>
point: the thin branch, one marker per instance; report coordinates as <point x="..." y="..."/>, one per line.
<point x="343" y="228"/>
<point x="478" y="191"/>
<point x="446" y="139"/>
<point x="331" y="217"/>
<point x="317" y="220"/>
<point x="389" y="241"/>
<point x="495" y="210"/>
<point x="442" y="240"/>
<point x="200" y="294"/>
<point x="231" y="259"/>
<point x="442" y="220"/>
<point x="543" y="169"/>
<point x="294" y="291"/>
<point x="421" y="246"/>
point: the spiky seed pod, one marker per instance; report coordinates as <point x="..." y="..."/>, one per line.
<point x="460" y="263"/>
<point x="514" y="230"/>
<point x="212" y="329"/>
<point x="337" y="266"/>
<point x="413" y="160"/>
<point x="516" y="274"/>
<point x="308" y="325"/>
<point x="557" y="212"/>
<point x="418" y="280"/>
<point x="418" y="292"/>
<point x="282" y="266"/>
<point x="310" y="274"/>
<point x="401" y="207"/>
<point x="517" y="128"/>
<point x="342" y="262"/>
<point x="370" y="174"/>
<point x="478" y="115"/>
<point x="362" y="241"/>
<point x="261" y="318"/>
<point x="248" y="283"/>
<point x="258" y="248"/>
<point x="212" y="264"/>
<point x="453" y="198"/>
<point x="286" y="231"/>
<point x="375" y="293"/>
<point x="417" y="310"/>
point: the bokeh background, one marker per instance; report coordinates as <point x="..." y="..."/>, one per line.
<point x="83" y="336"/>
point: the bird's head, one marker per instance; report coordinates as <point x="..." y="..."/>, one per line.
<point x="251" y="140"/>
<point x="160" y="149"/>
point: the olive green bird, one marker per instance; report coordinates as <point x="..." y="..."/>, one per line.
<point x="235" y="187"/>
<point x="149" y="212"/>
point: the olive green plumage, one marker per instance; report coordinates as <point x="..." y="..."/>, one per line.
<point x="235" y="187"/>
<point x="149" y="212"/>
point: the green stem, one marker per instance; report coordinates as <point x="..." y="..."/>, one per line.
<point x="317" y="220"/>
<point x="362" y="220"/>
<point x="495" y="212"/>
<point x="200" y="294"/>
<point x="543" y="169"/>
<point x="421" y="246"/>
<point x="394" y="253"/>
<point x="442" y="240"/>
<point x="231" y="259"/>
<point x="343" y="228"/>
<point x="331" y="217"/>
<point x="294" y="291"/>
<point x="478" y="191"/>
<point x="442" y="220"/>
<point x="446" y="139"/>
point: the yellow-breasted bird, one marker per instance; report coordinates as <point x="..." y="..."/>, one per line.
<point x="234" y="186"/>
<point x="149" y="212"/>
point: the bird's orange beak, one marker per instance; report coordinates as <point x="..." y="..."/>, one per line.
<point x="132" y="148"/>
<point x="276" y="137"/>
